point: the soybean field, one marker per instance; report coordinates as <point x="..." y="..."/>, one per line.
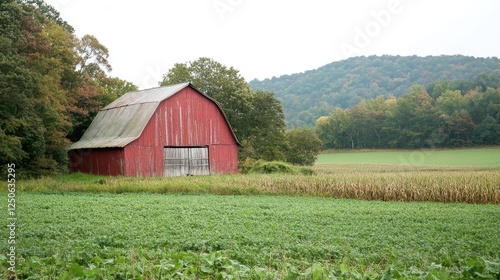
<point x="165" y="236"/>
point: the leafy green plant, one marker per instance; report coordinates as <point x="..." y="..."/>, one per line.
<point x="273" y="167"/>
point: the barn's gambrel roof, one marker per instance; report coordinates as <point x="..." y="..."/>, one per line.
<point x="123" y="120"/>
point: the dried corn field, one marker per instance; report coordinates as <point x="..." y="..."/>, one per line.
<point x="438" y="186"/>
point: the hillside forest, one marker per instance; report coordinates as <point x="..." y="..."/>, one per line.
<point x="309" y="95"/>
<point x="393" y="102"/>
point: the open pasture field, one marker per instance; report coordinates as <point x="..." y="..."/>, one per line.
<point x="67" y="235"/>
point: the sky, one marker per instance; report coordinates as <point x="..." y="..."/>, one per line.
<point x="265" y="39"/>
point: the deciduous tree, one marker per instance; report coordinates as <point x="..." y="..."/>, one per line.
<point x="256" y="117"/>
<point x="303" y="146"/>
<point x="50" y="84"/>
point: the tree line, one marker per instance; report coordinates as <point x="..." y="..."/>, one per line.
<point x="52" y="84"/>
<point x="444" y="114"/>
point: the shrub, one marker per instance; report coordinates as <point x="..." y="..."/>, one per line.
<point x="268" y="167"/>
<point x="244" y="166"/>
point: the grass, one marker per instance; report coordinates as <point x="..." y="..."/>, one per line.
<point x="163" y="236"/>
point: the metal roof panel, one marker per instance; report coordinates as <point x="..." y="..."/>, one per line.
<point x="116" y="127"/>
<point x="124" y="119"/>
<point x="146" y="96"/>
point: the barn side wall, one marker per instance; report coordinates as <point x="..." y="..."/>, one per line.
<point x="103" y="161"/>
<point x="143" y="161"/>
<point x="223" y="158"/>
<point x="185" y="119"/>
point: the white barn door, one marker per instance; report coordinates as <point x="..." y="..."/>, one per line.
<point x="186" y="161"/>
<point x="198" y="161"/>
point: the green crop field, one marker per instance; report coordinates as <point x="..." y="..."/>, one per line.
<point x="163" y="236"/>
<point x="364" y="215"/>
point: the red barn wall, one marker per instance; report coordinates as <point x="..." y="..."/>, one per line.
<point x="104" y="161"/>
<point x="223" y="158"/>
<point x="185" y="119"/>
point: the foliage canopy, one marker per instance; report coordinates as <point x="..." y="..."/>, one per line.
<point x="447" y="114"/>
<point x="52" y="83"/>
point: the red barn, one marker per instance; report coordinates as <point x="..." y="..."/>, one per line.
<point x="166" y="131"/>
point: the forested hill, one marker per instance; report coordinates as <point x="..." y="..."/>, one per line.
<point x="311" y="94"/>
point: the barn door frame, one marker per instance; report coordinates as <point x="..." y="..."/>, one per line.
<point x="186" y="160"/>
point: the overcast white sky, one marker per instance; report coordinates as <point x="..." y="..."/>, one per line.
<point x="269" y="38"/>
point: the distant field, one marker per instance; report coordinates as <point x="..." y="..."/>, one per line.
<point x="461" y="157"/>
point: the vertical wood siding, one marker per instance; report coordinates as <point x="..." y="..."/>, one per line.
<point x="98" y="161"/>
<point x="223" y="158"/>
